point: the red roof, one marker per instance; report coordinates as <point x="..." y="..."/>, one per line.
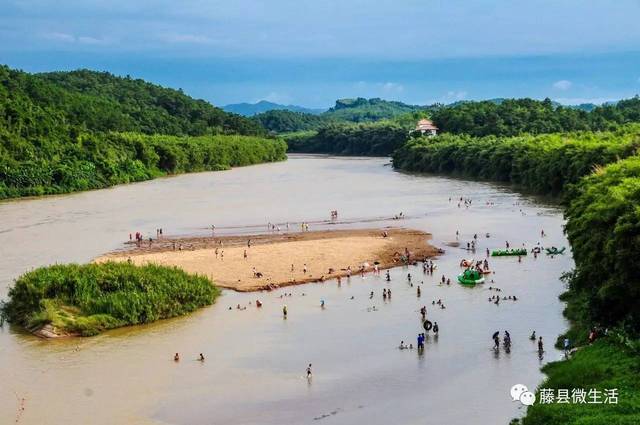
<point x="425" y="124"/>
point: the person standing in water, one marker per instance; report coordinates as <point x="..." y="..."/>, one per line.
<point x="496" y="340"/>
<point x="540" y="345"/>
<point x="284" y="311"/>
<point x="309" y="374"/>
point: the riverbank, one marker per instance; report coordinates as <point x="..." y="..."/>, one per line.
<point x="279" y="259"/>
<point x="603" y="370"/>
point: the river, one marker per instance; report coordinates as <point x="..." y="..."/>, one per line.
<point x="255" y="360"/>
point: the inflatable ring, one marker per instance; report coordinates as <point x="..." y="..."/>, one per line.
<point x="427" y="325"/>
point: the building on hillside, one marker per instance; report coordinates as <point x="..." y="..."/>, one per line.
<point x="427" y="127"/>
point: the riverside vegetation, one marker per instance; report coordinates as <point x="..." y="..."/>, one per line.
<point x="68" y="131"/>
<point x="328" y="132"/>
<point x="88" y="299"/>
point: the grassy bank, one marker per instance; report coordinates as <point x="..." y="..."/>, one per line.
<point x="88" y="299"/>
<point x="604" y="365"/>
<point x="99" y="160"/>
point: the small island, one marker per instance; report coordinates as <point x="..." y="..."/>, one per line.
<point x="84" y="300"/>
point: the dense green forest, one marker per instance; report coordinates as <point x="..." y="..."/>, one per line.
<point x="100" y="101"/>
<point x="87" y="299"/>
<point x="280" y="121"/>
<point x="544" y="163"/>
<point x="98" y="160"/>
<point x="368" y="139"/>
<point x="603" y="226"/>
<point x="345" y="111"/>
<point x="368" y="110"/>
<point x="512" y="117"/>
<point x="67" y="131"/>
<point x="506" y="117"/>
<point x="498" y="117"/>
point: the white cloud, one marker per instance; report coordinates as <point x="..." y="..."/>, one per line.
<point x="70" y="38"/>
<point x="60" y="36"/>
<point x="456" y="95"/>
<point x="187" y="38"/>
<point x="390" y="87"/>
<point x="562" y="85"/>
<point x="90" y="40"/>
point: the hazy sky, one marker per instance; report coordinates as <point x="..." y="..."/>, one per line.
<point x="312" y="52"/>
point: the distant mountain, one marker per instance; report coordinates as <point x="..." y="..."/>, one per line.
<point x="346" y="111"/>
<point x="251" y="109"/>
<point x="368" y="110"/>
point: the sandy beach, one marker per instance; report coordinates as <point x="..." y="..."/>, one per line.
<point x="327" y="254"/>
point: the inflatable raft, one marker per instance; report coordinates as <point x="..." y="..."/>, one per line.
<point x="555" y="251"/>
<point x="505" y="252"/>
<point x="470" y="277"/>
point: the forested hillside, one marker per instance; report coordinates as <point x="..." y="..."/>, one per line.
<point x="327" y="132"/>
<point x="60" y="132"/>
<point x="345" y="111"/>
<point x="101" y="101"/>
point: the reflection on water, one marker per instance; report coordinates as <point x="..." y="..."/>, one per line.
<point x="255" y="361"/>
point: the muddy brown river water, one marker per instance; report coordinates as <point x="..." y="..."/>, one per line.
<point x="255" y="361"/>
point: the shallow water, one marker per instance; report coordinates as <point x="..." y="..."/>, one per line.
<point x="255" y="360"/>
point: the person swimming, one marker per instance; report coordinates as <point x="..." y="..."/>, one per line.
<point x="533" y="336"/>
<point x="176" y="358"/>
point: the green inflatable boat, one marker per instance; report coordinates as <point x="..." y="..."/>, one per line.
<point x="555" y="251"/>
<point x="505" y="252"/>
<point x="470" y="277"/>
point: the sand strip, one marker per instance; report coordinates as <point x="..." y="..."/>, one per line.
<point x="327" y="254"/>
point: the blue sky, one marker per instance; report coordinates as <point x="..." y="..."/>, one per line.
<point x="312" y="52"/>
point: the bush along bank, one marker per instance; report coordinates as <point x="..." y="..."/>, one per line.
<point x="546" y="163"/>
<point x="95" y="161"/>
<point x="85" y="300"/>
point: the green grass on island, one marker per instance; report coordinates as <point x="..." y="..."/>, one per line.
<point x="88" y="299"/>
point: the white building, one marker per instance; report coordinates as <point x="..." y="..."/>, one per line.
<point x="427" y="127"/>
